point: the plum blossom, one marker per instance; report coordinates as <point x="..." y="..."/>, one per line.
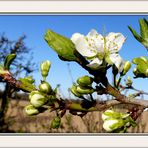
<point x="97" y="48"/>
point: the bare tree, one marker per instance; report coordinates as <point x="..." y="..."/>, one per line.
<point x="21" y="65"/>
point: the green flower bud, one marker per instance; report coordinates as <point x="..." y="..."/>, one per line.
<point x="129" y="82"/>
<point x="107" y="114"/>
<point x="31" y="110"/>
<point x="123" y="115"/>
<point x="112" y="114"/>
<point x="38" y="100"/>
<point x="45" y="66"/>
<point x="140" y="61"/>
<point x="127" y="66"/>
<point x="45" y="87"/>
<point x="84" y="90"/>
<point x="85" y="81"/>
<point x="140" y="71"/>
<point x="63" y="46"/>
<point x="144" y="59"/>
<point x="73" y="89"/>
<point x="142" y="66"/>
<point x="56" y="122"/>
<point x="32" y="93"/>
<point x="113" y="124"/>
<point x="135" y="71"/>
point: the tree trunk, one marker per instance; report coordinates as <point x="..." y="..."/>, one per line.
<point x="4" y="107"/>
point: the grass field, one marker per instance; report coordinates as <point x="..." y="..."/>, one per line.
<point x="17" y="121"/>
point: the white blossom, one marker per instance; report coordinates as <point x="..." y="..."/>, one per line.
<point x="112" y="124"/>
<point x="95" y="48"/>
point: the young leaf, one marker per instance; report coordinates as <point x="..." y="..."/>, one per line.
<point x="143" y="28"/>
<point x="136" y="35"/>
<point x="61" y="45"/>
<point x="8" y="60"/>
<point x="143" y="38"/>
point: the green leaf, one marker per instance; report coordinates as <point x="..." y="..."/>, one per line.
<point x="8" y="60"/>
<point x="140" y="61"/>
<point x="146" y="21"/>
<point x="136" y="35"/>
<point x="143" y="39"/>
<point x="27" y="83"/>
<point x="61" y="45"/>
<point x="143" y="28"/>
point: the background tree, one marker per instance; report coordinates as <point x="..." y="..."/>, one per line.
<point x="22" y="65"/>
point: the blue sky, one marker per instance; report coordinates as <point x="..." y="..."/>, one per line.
<point x="34" y="27"/>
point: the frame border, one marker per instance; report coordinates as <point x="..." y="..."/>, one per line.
<point x="73" y="7"/>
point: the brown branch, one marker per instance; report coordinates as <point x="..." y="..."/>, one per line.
<point x="7" y="77"/>
<point x="123" y="99"/>
<point x="131" y="87"/>
<point x="77" y="106"/>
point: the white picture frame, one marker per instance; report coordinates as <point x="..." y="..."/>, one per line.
<point x="72" y="7"/>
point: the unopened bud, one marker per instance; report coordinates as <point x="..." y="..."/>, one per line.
<point x="107" y="114"/>
<point x="129" y="82"/>
<point x="83" y="90"/>
<point x="37" y="100"/>
<point x="45" y="87"/>
<point x="139" y="72"/>
<point x="45" y="66"/>
<point x="85" y="81"/>
<point x="135" y="71"/>
<point x="74" y="91"/>
<point x="112" y="124"/>
<point x="32" y="93"/>
<point x="126" y="67"/>
<point x="31" y="110"/>
<point x="144" y="59"/>
<point x="124" y="115"/>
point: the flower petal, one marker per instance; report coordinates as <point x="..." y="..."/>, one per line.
<point x="82" y="46"/>
<point x="96" y="40"/>
<point x="75" y="37"/>
<point x="95" y="63"/>
<point x="114" y="41"/>
<point x="117" y="60"/>
<point x="92" y="33"/>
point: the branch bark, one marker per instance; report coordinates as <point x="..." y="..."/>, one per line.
<point x="77" y="106"/>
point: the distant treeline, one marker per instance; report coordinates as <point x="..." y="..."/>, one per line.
<point x="16" y="95"/>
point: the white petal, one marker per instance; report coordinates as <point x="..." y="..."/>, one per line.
<point x="96" y="40"/>
<point x="114" y="41"/>
<point x="95" y="63"/>
<point x="92" y="33"/>
<point x="117" y="60"/>
<point x="82" y="46"/>
<point x="108" y="123"/>
<point x="75" y="37"/>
